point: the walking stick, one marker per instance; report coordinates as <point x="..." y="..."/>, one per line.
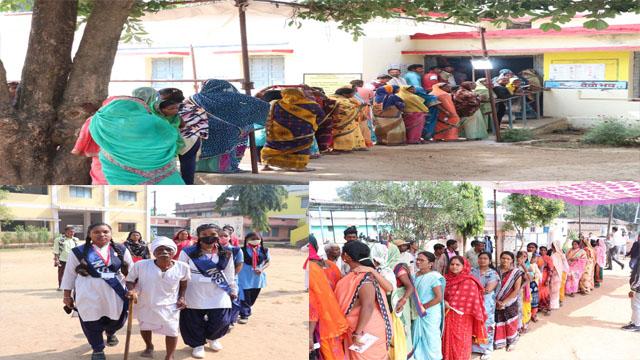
<point x="129" y="324"/>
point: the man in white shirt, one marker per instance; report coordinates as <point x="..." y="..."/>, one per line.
<point x="618" y="241"/>
<point x="396" y="78"/>
<point x="477" y="247"/>
<point x="405" y="255"/>
<point x="158" y="287"/>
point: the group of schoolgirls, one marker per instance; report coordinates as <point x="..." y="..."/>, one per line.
<point x="198" y="291"/>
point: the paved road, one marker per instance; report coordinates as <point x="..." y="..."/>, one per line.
<point x="585" y="328"/>
<point x="472" y="160"/>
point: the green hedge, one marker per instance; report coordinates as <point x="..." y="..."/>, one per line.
<point x="28" y="235"/>
<point x="516" y="135"/>
<point x="613" y="132"/>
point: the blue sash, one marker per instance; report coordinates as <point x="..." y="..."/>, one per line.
<point x="96" y="266"/>
<point x="208" y="268"/>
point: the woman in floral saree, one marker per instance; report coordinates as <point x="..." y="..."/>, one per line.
<point x="577" y="259"/>
<point x="586" y="281"/>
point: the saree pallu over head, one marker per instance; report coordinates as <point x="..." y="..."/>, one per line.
<point x="412" y="102"/>
<point x="137" y="147"/>
<point x="345" y="127"/>
<point x="231" y="116"/>
<point x="290" y="130"/>
<point x="465" y="293"/>
<point x="466" y="101"/>
<point x="386" y="96"/>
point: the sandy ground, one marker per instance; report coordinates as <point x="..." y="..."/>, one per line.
<point x="34" y="326"/>
<point x="476" y="160"/>
<point x="584" y="328"/>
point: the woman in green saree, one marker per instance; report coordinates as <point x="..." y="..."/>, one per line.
<point x="137" y="147"/>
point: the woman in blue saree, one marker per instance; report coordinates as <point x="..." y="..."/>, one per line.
<point x="490" y="281"/>
<point x="429" y="317"/>
<point x="232" y="116"/>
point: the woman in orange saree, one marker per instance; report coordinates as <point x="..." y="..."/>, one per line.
<point x="546" y="268"/>
<point x="465" y="314"/>
<point x="447" y="125"/>
<point x="327" y="324"/>
<point x="364" y="304"/>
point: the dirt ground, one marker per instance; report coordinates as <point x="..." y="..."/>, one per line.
<point x="584" y="328"/>
<point x="34" y="326"/>
<point x="477" y="160"/>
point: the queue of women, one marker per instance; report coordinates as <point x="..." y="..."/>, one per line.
<point x="383" y="308"/>
<point x="193" y="288"/>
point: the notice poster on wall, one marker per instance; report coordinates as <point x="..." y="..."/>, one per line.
<point x="330" y="82"/>
<point x="577" y="72"/>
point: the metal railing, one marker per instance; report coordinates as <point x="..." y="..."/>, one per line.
<point x="524" y="102"/>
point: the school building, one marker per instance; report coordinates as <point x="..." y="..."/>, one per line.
<point x="589" y="75"/>
<point x="56" y="206"/>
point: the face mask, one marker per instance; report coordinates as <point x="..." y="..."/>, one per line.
<point x="224" y="241"/>
<point x="254" y="242"/>
<point x="209" y="240"/>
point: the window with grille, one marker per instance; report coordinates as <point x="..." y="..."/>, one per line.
<point x="80" y="192"/>
<point x="127" y="195"/>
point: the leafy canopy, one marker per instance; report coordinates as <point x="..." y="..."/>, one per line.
<point x="254" y="201"/>
<point x="525" y="211"/>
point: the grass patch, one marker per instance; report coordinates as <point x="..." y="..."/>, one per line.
<point x="516" y="135"/>
<point x="613" y="132"/>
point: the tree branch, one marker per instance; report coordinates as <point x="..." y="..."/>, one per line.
<point x="48" y="58"/>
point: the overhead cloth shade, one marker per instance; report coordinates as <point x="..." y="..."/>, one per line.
<point x="587" y="193"/>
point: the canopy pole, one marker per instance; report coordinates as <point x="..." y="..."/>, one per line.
<point x="495" y="223"/>
<point x="610" y="218"/>
<point x="333" y="227"/>
<point x="492" y="99"/>
<point x="579" y="219"/>
<point x="193" y="65"/>
<point x="321" y="225"/>
<point x="247" y="85"/>
<point x="366" y="224"/>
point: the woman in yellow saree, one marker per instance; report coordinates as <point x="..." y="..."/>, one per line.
<point x="346" y="129"/>
<point x="291" y="125"/>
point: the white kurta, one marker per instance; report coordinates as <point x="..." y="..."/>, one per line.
<point x="94" y="297"/>
<point x="157" y="295"/>
<point x="202" y="293"/>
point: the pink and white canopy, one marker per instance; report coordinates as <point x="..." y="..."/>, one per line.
<point x="586" y="193"/>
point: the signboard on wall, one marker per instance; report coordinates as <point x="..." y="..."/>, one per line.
<point x="235" y="221"/>
<point x="577" y="72"/>
<point x="586" y="85"/>
<point x="330" y="82"/>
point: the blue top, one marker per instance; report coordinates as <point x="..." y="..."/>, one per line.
<point x="414" y="79"/>
<point x="248" y="279"/>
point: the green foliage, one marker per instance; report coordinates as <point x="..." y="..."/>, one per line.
<point x="613" y="132"/>
<point x="516" y="135"/>
<point x="415" y="210"/>
<point x="525" y="211"/>
<point x="5" y="212"/>
<point x="351" y="15"/>
<point x="26" y="235"/>
<point x="474" y="224"/>
<point x="254" y="201"/>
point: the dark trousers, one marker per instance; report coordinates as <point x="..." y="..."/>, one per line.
<point x="61" y="272"/>
<point x="199" y="325"/>
<point x="93" y="329"/>
<point x="188" y="164"/>
<point x="235" y="310"/>
<point x="250" y="297"/>
<point x="613" y="252"/>
<point x="501" y="110"/>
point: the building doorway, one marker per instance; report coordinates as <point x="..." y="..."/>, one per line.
<point x="80" y="220"/>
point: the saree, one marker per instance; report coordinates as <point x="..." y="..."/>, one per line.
<point x="559" y="262"/>
<point x="405" y="315"/>
<point x="232" y="116"/>
<point x="365" y="116"/>
<point x="387" y="114"/>
<point x="464" y="293"/>
<point x="346" y="132"/>
<point x="431" y="118"/>
<point x="290" y="130"/>
<point x="491" y="276"/>
<point x="324" y="133"/>
<point x="507" y="319"/>
<point x="577" y="259"/>
<point x="586" y="281"/>
<point x="347" y="292"/>
<point x="601" y="257"/>
<point x="427" y="330"/>
<point x="325" y="311"/>
<point x="136" y="147"/>
<point x="414" y="114"/>
<point x="467" y="105"/>
<point x="447" y="125"/>
<point x="546" y="268"/>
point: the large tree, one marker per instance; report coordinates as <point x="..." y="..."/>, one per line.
<point x="58" y="92"/>
<point x="474" y="223"/>
<point x="255" y="201"/>
<point x="524" y="211"/>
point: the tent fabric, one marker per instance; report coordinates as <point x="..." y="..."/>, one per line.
<point x="586" y="193"/>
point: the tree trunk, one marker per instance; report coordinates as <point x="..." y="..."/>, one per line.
<point x="26" y="147"/>
<point x="56" y="96"/>
<point x="88" y="85"/>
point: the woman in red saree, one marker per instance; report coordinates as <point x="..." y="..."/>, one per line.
<point x="546" y="268"/>
<point x="447" y="125"/>
<point x="465" y="315"/>
<point x="327" y="324"/>
<point x="364" y="304"/>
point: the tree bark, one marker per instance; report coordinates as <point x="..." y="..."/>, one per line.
<point x="88" y="85"/>
<point x="5" y="100"/>
<point x="26" y="149"/>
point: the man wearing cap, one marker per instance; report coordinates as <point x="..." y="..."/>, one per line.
<point x="158" y="287"/>
<point x="477" y="246"/>
<point x="405" y="255"/>
<point x="62" y="246"/>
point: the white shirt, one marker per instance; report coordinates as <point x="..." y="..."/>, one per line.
<point x="202" y="293"/>
<point x="155" y="287"/>
<point x="397" y="81"/>
<point x="618" y="240"/>
<point x="408" y="258"/>
<point x="94" y="297"/>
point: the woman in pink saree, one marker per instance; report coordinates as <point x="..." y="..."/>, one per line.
<point x="560" y="267"/>
<point x="577" y="259"/>
<point x="601" y="259"/>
